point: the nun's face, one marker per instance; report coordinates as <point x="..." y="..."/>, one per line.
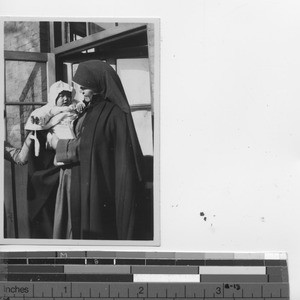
<point x="87" y="93"/>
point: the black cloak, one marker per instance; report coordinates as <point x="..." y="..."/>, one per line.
<point x="106" y="183"/>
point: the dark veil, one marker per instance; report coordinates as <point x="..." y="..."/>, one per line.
<point x="103" y="79"/>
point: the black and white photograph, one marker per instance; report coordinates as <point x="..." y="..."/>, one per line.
<point x="151" y="149"/>
<point x="81" y="131"/>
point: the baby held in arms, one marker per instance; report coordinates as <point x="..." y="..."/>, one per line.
<point x="57" y="116"/>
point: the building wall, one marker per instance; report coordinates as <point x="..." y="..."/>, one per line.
<point x="25" y="81"/>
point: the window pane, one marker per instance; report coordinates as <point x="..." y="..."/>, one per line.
<point x="25" y="81"/>
<point x="57" y="34"/>
<point x="25" y="36"/>
<point x="134" y="74"/>
<point x="74" y="66"/>
<point x="98" y="27"/>
<point x="143" y="125"/>
<point x="77" y="30"/>
<point x="16" y="117"/>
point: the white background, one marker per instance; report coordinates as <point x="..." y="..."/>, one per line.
<point x="230" y="120"/>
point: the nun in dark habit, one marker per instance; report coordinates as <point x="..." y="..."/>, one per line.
<point x="105" y="158"/>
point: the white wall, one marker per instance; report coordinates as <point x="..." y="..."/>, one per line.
<point x="230" y="120"/>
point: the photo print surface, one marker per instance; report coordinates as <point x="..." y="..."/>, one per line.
<point x="80" y="131"/>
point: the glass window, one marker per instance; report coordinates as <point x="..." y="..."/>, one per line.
<point x="135" y="77"/>
<point x="26" y="36"/>
<point x="134" y="74"/>
<point x="98" y="27"/>
<point x="143" y="123"/>
<point x="26" y="84"/>
<point x="77" y="30"/>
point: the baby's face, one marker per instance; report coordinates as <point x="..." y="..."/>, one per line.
<point x="64" y="99"/>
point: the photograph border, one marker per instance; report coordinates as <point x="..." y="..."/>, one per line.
<point x="156" y="138"/>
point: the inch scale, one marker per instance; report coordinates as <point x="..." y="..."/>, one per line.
<point x="79" y="290"/>
<point x="146" y="275"/>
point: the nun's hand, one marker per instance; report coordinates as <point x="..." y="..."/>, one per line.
<point x="57" y="163"/>
<point x="80" y="106"/>
<point x="52" y="141"/>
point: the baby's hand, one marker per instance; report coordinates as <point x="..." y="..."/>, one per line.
<point x="72" y="107"/>
<point x="80" y="106"/>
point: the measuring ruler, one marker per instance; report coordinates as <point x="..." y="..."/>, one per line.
<point x="148" y="275"/>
